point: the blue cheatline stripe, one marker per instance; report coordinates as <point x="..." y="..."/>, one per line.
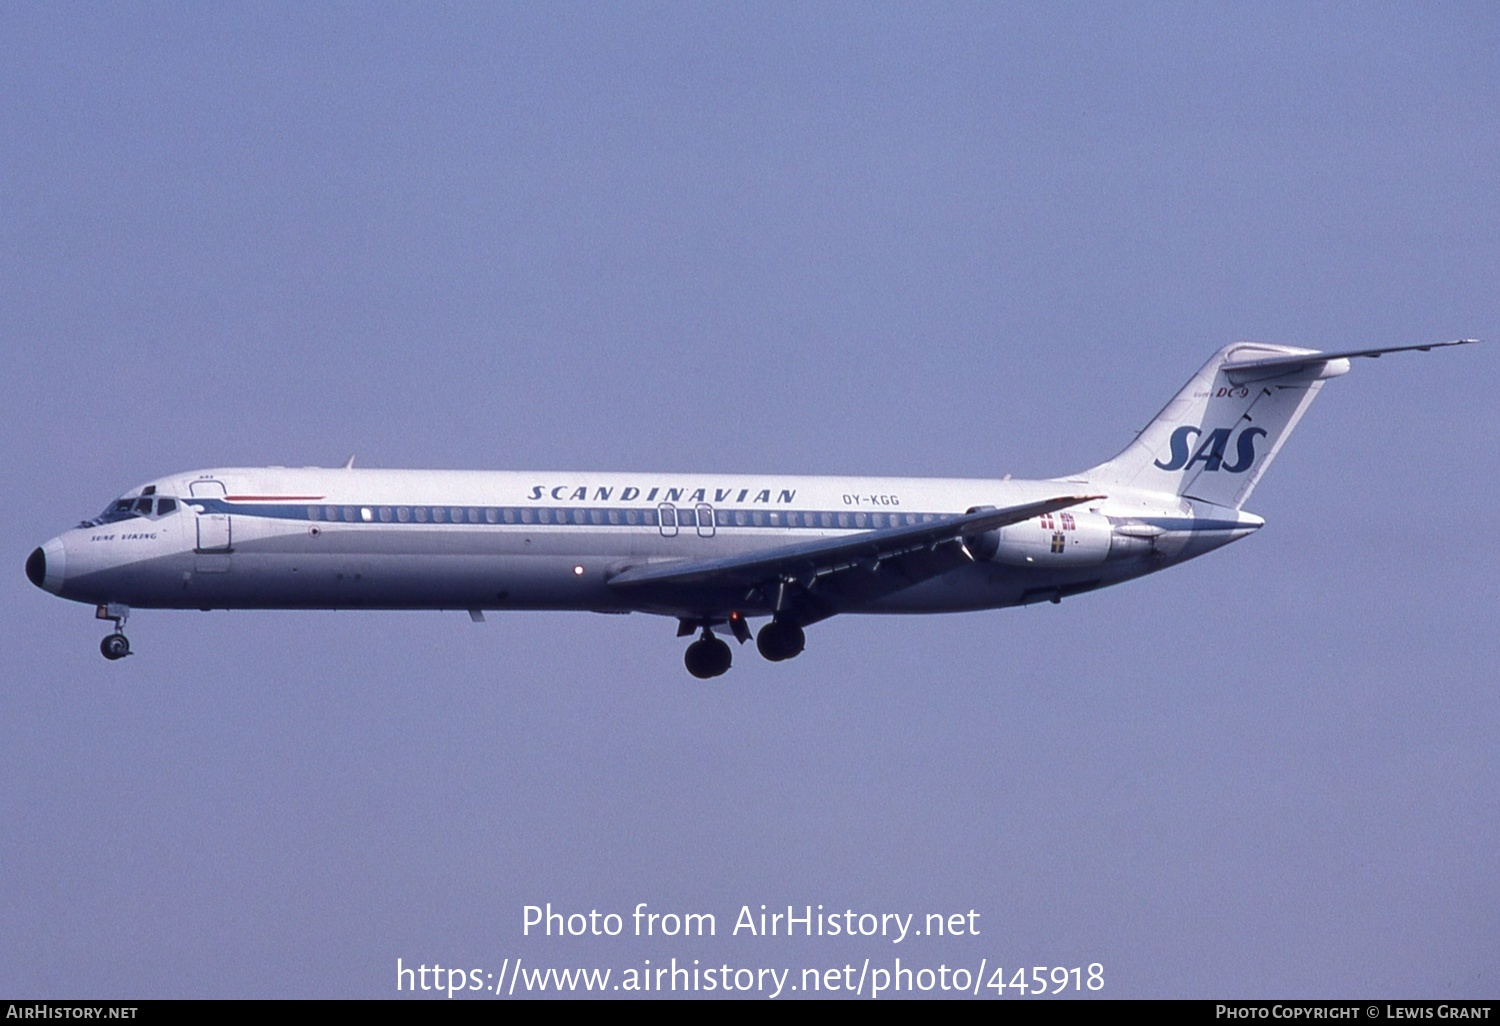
<point x="583" y="516"/>
<point x="565" y="516"/>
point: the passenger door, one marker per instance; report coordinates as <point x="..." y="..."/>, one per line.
<point x="215" y="531"/>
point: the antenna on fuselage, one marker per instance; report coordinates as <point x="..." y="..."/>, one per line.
<point x="350" y="464"/>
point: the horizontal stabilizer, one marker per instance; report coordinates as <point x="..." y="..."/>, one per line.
<point x="1242" y="371"/>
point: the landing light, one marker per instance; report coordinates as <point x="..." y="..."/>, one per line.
<point x="578" y="571"/>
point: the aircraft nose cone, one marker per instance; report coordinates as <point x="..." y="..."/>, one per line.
<point x="46" y="566"/>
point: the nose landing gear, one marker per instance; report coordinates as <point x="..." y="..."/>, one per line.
<point x="116" y="645"/>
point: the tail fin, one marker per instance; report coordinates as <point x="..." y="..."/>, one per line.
<point x="1217" y="437"/>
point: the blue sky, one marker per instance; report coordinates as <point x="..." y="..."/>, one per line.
<point x="847" y="239"/>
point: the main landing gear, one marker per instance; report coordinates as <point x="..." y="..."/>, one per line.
<point x="116" y="645"/>
<point x="710" y="656"/>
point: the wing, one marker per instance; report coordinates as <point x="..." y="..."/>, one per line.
<point x="815" y="580"/>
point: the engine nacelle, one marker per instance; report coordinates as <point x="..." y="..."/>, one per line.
<point x="1056" y="539"/>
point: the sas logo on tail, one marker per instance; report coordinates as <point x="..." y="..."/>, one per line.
<point x="1211" y="452"/>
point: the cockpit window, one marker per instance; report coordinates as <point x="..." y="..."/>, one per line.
<point x="124" y="509"/>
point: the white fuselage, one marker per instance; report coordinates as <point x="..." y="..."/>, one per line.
<point x="409" y="539"/>
<point x="711" y="550"/>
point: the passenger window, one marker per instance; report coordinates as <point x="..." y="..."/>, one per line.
<point x="525" y="516"/>
<point x="314" y="512"/>
<point x="614" y="516"/>
<point x="385" y="514"/>
<point x="473" y="516"/>
<point x="759" y="518"/>
<point x="544" y="516"/>
<point x="859" y="520"/>
<point x="597" y="516"/>
<point x="510" y="515"/>
<point x="421" y="514"/>
<point x="632" y="517"/>
<point x="843" y="520"/>
<point x="349" y="514"/>
<point x="403" y="514"/>
<point x="827" y="519"/>
<point x="492" y="516"/>
<point x="439" y="514"/>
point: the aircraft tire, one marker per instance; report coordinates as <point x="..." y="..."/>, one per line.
<point x="708" y="657"/>
<point x="114" y="646"/>
<point x="780" y="640"/>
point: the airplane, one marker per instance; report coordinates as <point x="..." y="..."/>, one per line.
<point x="712" y="551"/>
